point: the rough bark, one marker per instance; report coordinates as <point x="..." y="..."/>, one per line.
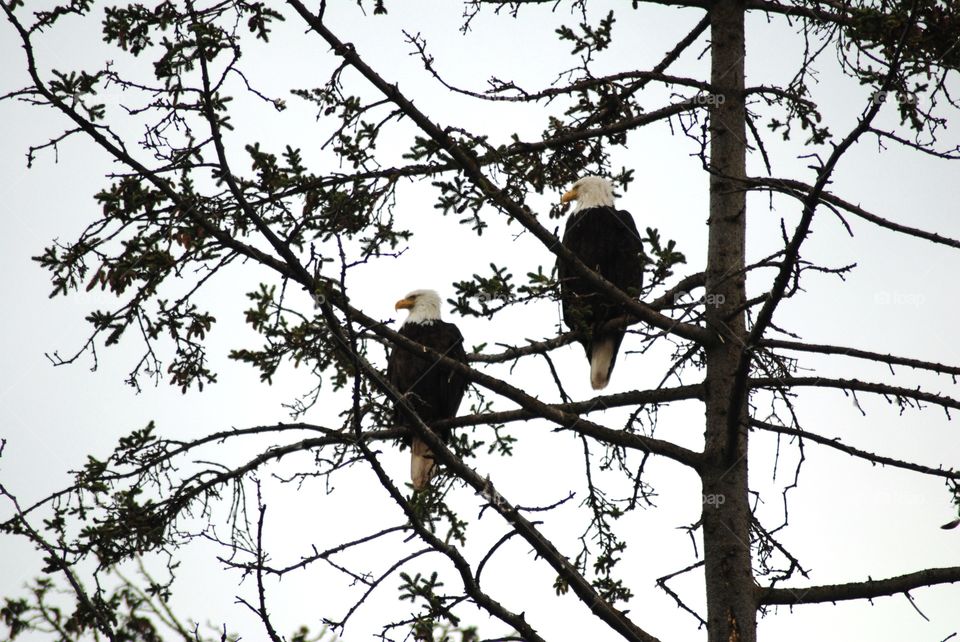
<point x="731" y="606"/>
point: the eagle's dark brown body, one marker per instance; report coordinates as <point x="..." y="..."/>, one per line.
<point x="606" y="240"/>
<point x="434" y="391"/>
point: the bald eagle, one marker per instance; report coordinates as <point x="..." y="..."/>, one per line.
<point x="607" y="241"/>
<point x="434" y="391"/>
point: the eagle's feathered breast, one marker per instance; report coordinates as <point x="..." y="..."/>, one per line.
<point x="433" y="390"/>
<point x="607" y="241"/>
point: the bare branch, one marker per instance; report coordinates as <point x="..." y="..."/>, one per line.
<point x="595" y="404"/>
<point x="859" y="590"/>
<point x="800" y="190"/>
<point x="836" y="444"/>
<point x="855" y="385"/>
<point x="861" y="354"/>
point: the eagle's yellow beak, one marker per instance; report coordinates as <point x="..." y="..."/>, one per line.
<point x="404" y="304"/>
<point x="569" y="196"/>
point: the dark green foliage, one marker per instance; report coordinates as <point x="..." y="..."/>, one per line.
<point x="435" y="621"/>
<point x="922" y="34"/>
<point x="131" y="27"/>
<point x="660" y="259"/>
<point x="134" y="615"/>
<point x="927" y="28"/>
<point x="12" y="614"/>
<point x="489" y="294"/>
<point x="799" y="110"/>
<point x="457" y="196"/>
<point x="593" y="39"/>
<point x="290" y="337"/>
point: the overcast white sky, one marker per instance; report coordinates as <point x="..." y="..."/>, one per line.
<point x="848" y="519"/>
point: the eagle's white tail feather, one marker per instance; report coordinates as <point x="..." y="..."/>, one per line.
<point x="601" y="356"/>
<point x="421" y="464"/>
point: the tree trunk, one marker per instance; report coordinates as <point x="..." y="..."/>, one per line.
<point x="731" y="605"/>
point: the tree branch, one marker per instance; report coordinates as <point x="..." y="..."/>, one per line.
<point x="836" y="444"/>
<point x="861" y="354"/>
<point x="859" y="590"/>
<point x="665" y="300"/>
<point x="856" y="385"/>
<point x="596" y="404"/>
<point x="799" y="189"/>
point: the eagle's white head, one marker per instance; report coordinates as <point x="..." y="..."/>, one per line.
<point x="590" y="191"/>
<point x="424" y="306"/>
